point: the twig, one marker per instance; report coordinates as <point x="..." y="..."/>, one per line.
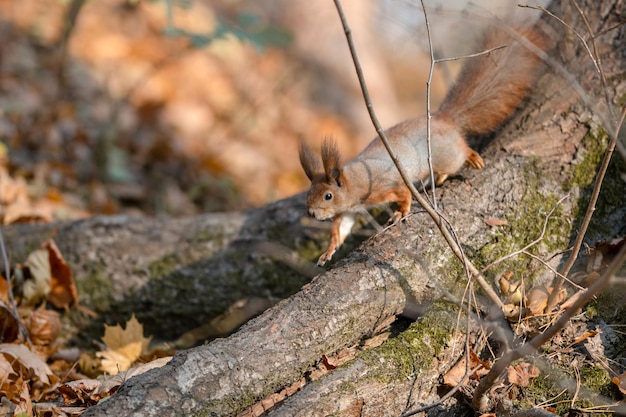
<point x="613" y="132"/>
<point x="444" y="398"/>
<point x="434" y="214"/>
<point x="554" y="271"/>
<point x="431" y="70"/>
<point x="474" y="55"/>
<point x="71" y="16"/>
<point x="564" y="23"/>
<point x="428" y="113"/>
<point x="7" y="277"/>
<point x="595" y="57"/>
<point x="552" y="298"/>
<point x="529" y="347"/>
<point x="531" y="244"/>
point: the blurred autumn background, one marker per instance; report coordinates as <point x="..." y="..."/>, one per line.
<point x="175" y="108"/>
<point x="183" y="107"/>
<point x="179" y="107"/>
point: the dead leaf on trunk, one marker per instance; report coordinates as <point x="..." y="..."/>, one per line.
<point x="494" y="222"/>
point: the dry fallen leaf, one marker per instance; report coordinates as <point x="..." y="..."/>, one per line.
<point x="27" y="363"/>
<point x="511" y="312"/>
<point x="37" y="285"/>
<point x="29" y="369"/>
<point x="44" y="326"/>
<point x="620" y="381"/>
<point x="456" y="374"/>
<point x="537" y="299"/>
<point x="9" y="324"/>
<point x="586" y="335"/>
<point x="493" y="221"/>
<point x="82" y="392"/>
<point x="62" y="293"/>
<point x="124" y="346"/>
<point x="11" y="382"/>
<point x="90" y="391"/>
<point x="522" y="374"/>
<point x="25" y="404"/>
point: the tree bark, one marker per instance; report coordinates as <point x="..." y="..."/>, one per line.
<point x="548" y="150"/>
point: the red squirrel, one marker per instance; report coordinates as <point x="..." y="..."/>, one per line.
<point x="487" y="92"/>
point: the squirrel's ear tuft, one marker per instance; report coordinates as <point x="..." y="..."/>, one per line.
<point x="332" y="161"/>
<point x="309" y="161"/>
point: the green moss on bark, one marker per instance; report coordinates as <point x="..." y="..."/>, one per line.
<point x="538" y="212"/>
<point x="413" y="350"/>
<point x="612" y="199"/>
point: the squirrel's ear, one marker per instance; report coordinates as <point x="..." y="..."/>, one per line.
<point x="332" y="161"/>
<point x="309" y="161"/>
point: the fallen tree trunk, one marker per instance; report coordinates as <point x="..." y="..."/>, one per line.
<point x="537" y="159"/>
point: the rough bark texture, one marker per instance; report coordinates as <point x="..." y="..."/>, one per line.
<point x="182" y="272"/>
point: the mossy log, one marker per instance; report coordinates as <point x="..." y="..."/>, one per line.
<point x="176" y="274"/>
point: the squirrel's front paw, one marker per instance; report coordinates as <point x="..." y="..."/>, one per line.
<point x="326" y="256"/>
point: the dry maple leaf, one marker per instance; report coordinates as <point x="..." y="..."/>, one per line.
<point x="25" y="403"/>
<point x="11" y="382"/>
<point x="124" y="346"/>
<point x="90" y="391"/>
<point x="31" y="376"/>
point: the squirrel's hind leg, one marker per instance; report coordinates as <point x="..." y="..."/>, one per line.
<point x="474" y="159"/>
<point x="403" y="198"/>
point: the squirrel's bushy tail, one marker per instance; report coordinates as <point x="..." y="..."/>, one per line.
<point x="491" y="86"/>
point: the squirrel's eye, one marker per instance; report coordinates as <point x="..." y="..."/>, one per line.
<point x="328" y="196"/>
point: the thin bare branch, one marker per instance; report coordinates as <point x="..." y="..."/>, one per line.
<point x="428" y="110"/>
<point x="474" y="55"/>
<point x="531" y="244"/>
<point x="552" y="299"/>
<point x="9" y="280"/>
<point x="571" y="29"/>
<point x="434" y="214"/>
<point x="595" y="57"/>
